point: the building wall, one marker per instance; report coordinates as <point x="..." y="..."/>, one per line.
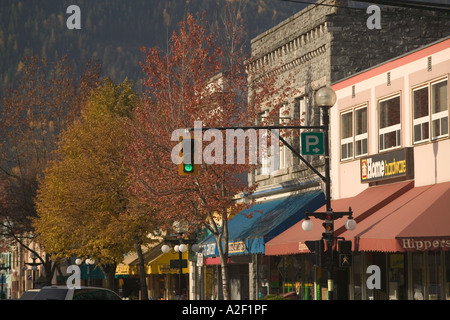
<point x="405" y="74"/>
<point x="323" y="44"/>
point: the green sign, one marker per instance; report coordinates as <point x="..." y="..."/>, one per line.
<point x="312" y="143"/>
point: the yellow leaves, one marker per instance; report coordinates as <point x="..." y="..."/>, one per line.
<point x="85" y="191"/>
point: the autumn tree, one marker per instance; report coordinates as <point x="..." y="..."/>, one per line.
<point x="203" y="78"/>
<point x="47" y="98"/>
<point x="83" y="204"/>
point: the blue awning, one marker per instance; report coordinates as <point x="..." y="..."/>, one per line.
<point x="250" y="229"/>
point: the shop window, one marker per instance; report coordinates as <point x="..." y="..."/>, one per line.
<point x="418" y="276"/>
<point x="389" y="125"/>
<point x="447" y="274"/>
<point x="430" y="111"/>
<point x="434" y="276"/>
<point x="397" y="277"/>
<point x="354" y="133"/>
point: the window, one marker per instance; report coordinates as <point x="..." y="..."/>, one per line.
<point x="347" y="135"/>
<point x="439" y="110"/>
<point x="361" y="131"/>
<point x="283" y="118"/>
<point x="389" y="126"/>
<point x="354" y="133"/>
<point x="301" y="117"/>
<point x="430" y="111"/>
<point x="421" y="117"/>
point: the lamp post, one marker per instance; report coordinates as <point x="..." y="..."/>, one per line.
<point x="3" y="269"/>
<point x="179" y="245"/>
<point x="34" y="266"/>
<point x="89" y="262"/>
<point x="325" y="98"/>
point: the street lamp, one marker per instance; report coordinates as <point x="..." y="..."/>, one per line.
<point x="179" y="245"/>
<point x="89" y="262"/>
<point x="325" y="98"/>
<point x="34" y="266"/>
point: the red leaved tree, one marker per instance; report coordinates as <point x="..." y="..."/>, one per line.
<point x="203" y="78"/>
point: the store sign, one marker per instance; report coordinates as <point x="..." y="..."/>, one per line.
<point x="236" y="247"/>
<point x="399" y="163"/>
<point x="417" y="244"/>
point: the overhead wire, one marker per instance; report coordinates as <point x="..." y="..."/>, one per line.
<point x="431" y="6"/>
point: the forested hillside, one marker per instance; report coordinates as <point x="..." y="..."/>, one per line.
<point x="111" y="30"/>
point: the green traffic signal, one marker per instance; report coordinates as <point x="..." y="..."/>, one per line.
<point x="188" y="167"/>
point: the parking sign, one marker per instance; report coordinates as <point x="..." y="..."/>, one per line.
<point x="312" y="143"/>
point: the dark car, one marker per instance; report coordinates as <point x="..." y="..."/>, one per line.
<point x="83" y="293"/>
<point x="29" y="294"/>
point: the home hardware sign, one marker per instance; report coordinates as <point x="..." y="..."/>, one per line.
<point x="399" y="163"/>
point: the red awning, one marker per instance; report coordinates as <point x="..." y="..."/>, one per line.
<point x="416" y="221"/>
<point x="363" y="205"/>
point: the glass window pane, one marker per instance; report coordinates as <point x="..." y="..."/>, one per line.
<point x="440" y="127"/>
<point x="439" y="97"/>
<point x="390" y="112"/>
<point x="425" y="130"/>
<point x="361" y="121"/>
<point x="391" y="139"/>
<point x="417" y="133"/>
<point x="360" y="147"/>
<point x="418" y="276"/>
<point x="420" y="103"/>
<point x="346" y="125"/>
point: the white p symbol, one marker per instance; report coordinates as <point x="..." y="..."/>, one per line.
<point x="311" y="141"/>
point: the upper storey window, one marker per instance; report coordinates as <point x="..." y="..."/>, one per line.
<point x="430" y="111"/>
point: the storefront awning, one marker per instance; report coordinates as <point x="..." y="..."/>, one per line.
<point x="252" y="228"/>
<point x="363" y="205"/>
<point x="418" y="220"/>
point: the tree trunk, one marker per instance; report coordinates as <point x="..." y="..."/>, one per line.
<point x="110" y="271"/>
<point x="142" y="273"/>
<point x="223" y="254"/>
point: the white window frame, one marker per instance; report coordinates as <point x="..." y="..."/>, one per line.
<point x="439" y="116"/>
<point x="431" y="117"/>
<point x="349" y="140"/>
<point x="422" y="120"/>
<point x="354" y="138"/>
<point x="397" y="128"/>
<point x="362" y="136"/>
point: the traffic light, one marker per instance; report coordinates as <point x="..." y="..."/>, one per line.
<point x="317" y="247"/>
<point x="345" y="253"/>
<point x="329" y="228"/>
<point x="187" y="167"/>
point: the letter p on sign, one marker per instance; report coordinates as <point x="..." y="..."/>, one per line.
<point x="312" y="143"/>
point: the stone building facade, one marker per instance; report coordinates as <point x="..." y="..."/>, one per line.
<point x="316" y="47"/>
